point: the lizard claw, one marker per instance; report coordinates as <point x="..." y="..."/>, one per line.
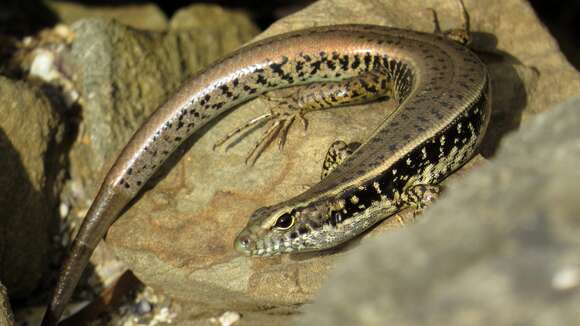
<point x="280" y="120"/>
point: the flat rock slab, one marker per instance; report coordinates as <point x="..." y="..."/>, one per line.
<point x="178" y="236"/>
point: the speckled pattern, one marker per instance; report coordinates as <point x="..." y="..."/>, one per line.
<point x="435" y="130"/>
<point x="442" y="89"/>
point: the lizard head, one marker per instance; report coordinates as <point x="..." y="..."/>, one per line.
<point x="284" y="229"/>
<point x="291" y="228"/>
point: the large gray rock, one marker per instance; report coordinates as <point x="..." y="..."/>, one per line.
<point x="123" y="74"/>
<point x="31" y="166"/>
<point x="178" y="236"/>
<point x="501" y="248"/>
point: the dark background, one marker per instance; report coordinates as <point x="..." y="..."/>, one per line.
<point x="562" y="17"/>
<point x="24" y="17"/>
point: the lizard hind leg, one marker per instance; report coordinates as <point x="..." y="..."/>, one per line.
<point x="284" y="110"/>
<point x="336" y="154"/>
<point x="460" y="35"/>
<point x="291" y="104"/>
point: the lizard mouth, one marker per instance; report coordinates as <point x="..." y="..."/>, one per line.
<point x="248" y="246"/>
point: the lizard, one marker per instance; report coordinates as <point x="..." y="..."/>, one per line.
<point x="443" y="95"/>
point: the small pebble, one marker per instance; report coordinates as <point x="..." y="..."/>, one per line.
<point x="566" y="279"/>
<point x="63" y="210"/>
<point x="43" y="65"/>
<point x="143" y="307"/>
<point x="229" y="318"/>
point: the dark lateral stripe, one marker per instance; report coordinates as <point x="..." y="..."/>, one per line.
<point x="390" y="183"/>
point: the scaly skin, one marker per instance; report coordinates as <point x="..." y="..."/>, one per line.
<point x="443" y="91"/>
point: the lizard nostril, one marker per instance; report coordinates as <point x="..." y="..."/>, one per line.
<point x="243" y="244"/>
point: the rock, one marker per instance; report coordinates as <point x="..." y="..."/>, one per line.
<point x="6" y="316"/>
<point x="31" y="167"/>
<point x="500" y="249"/>
<point x="123" y="75"/>
<point x="141" y="16"/>
<point x="178" y="236"/>
<point x="203" y="15"/>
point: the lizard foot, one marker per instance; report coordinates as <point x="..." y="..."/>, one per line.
<point x="280" y="118"/>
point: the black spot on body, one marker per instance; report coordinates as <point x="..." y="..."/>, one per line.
<point x="356" y="62"/>
<point x="315" y="67"/>
<point x="299" y="66"/>
<point x="261" y="80"/>
<point x="384" y="84"/>
<point x="331" y="65"/>
<point x="226" y="90"/>
<point x="336" y="218"/>
<point x="377" y="61"/>
<point x="343" y="63"/>
<point x="277" y="67"/>
<point x="369" y="88"/>
<point x="368" y="59"/>
<point x="249" y="90"/>
<point x="218" y="106"/>
<point x="288" y="78"/>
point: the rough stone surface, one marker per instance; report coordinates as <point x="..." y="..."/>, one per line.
<point x="199" y="16"/>
<point x="6" y="316"/>
<point x="500" y="249"/>
<point x="141" y="16"/>
<point x="123" y="75"/>
<point x="178" y="236"/>
<point x="30" y="133"/>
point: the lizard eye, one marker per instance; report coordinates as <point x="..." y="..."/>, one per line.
<point x="284" y="222"/>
